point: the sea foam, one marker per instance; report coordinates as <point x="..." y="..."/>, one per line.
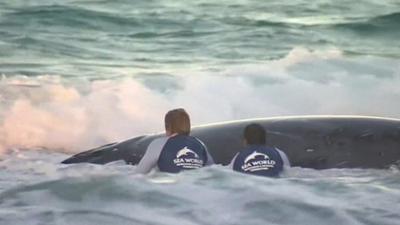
<point x="72" y="115"/>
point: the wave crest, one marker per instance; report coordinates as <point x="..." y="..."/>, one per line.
<point x="70" y="116"/>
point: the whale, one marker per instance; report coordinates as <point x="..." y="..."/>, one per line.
<point x="317" y="142"/>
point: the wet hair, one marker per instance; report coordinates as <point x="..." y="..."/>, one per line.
<point x="177" y="121"/>
<point x="254" y="134"/>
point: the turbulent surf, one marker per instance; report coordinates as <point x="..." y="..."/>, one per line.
<point x="76" y="75"/>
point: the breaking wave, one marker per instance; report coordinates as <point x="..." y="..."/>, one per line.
<point x="71" y="115"/>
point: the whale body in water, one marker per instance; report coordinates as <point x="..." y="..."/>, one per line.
<point x="319" y="142"/>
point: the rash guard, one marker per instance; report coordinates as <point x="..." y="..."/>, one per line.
<point x="174" y="154"/>
<point x="260" y="160"/>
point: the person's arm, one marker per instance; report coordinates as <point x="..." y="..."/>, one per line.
<point x="210" y="160"/>
<point x="233" y="161"/>
<point x="286" y="162"/>
<point x="150" y="158"/>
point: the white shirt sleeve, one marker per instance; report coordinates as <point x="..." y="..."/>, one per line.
<point x="210" y="160"/>
<point x="233" y="161"/>
<point x="286" y="162"/>
<point x="150" y="157"/>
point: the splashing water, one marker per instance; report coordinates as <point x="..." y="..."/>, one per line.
<point x="70" y="116"/>
<point x="78" y="74"/>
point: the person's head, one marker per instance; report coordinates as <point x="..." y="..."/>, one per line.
<point x="177" y="121"/>
<point x="254" y="134"/>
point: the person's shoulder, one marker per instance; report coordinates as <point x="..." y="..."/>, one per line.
<point x="284" y="157"/>
<point x="192" y="138"/>
<point x="279" y="150"/>
<point x="243" y="152"/>
<point x="159" y="141"/>
<point x="196" y="139"/>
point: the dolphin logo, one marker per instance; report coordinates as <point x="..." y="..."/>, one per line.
<point x="185" y="151"/>
<point x="253" y="156"/>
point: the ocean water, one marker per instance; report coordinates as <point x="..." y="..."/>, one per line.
<point x="37" y="190"/>
<point x="76" y="74"/>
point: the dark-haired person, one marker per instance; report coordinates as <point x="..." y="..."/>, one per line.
<point x="257" y="158"/>
<point x="177" y="150"/>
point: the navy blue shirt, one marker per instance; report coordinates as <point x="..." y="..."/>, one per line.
<point x="182" y="152"/>
<point x="174" y="154"/>
<point x="259" y="160"/>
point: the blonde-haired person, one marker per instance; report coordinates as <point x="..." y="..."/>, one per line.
<point x="177" y="150"/>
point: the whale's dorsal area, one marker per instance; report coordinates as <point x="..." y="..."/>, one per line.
<point x="319" y="142"/>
